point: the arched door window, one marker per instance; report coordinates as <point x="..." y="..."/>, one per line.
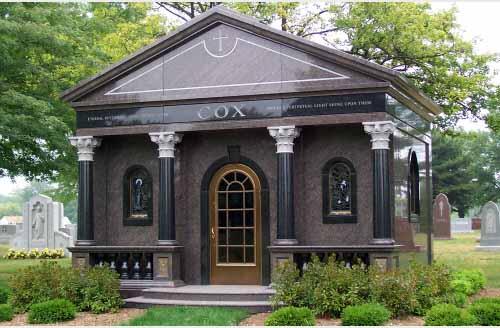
<point x="339" y="191"/>
<point x="137" y="196"/>
<point x="413" y="185"/>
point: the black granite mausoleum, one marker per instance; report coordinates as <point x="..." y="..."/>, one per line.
<point x="228" y="146"/>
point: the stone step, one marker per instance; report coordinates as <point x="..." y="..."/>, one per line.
<point x="216" y="293"/>
<point x="251" y="306"/>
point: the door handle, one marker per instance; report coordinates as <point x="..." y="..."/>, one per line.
<point x="212" y="233"/>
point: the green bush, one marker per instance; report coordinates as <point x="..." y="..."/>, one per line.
<point x="462" y="286"/>
<point x="395" y="291"/>
<point x="51" y="311"/>
<point x="449" y="315"/>
<point x="4" y="295"/>
<point x="102" y="291"/>
<point x="365" y="315"/>
<point x="486" y="312"/>
<point x="458" y="299"/>
<point x="95" y="289"/>
<point x="475" y="277"/>
<point x="291" y="316"/>
<point x="6" y="312"/>
<point x="495" y="300"/>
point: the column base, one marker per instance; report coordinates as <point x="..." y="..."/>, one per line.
<point x="382" y="241"/>
<point x="285" y="242"/>
<point x="85" y="243"/>
<point x="167" y="243"/>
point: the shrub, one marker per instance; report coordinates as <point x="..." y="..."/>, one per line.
<point x="495" y="300"/>
<point x="475" y="277"/>
<point x="4" y="295"/>
<point x="486" y="312"/>
<point x="448" y="315"/>
<point x="6" y="312"/>
<point x="462" y="286"/>
<point x="51" y="311"/>
<point x="395" y="291"/>
<point x="35" y="284"/>
<point x="35" y="253"/>
<point x="95" y="289"/>
<point x="102" y="291"/>
<point x="370" y="314"/>
<point x="291" y="316"/>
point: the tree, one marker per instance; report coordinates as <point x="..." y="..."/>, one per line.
<point x="45" y="49"/>
<point x="466" y="167"/>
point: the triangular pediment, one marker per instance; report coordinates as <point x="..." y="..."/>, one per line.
<point x="226" y="61"/>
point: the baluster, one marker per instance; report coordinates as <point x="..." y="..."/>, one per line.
<point x="148" y="275"/>
<point x="136" y="271"/>
<point x="124" y="269"/>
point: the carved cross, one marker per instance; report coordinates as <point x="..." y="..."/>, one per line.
<point x="220" y="40"/>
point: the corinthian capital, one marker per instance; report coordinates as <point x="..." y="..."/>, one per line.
<point x="380" y="133"/>
<point x="284" y="136"/>
<point x="85" y="146"/>
<point x="166" y="142"/>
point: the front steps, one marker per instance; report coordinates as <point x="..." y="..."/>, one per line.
<point x="252" y="298"/>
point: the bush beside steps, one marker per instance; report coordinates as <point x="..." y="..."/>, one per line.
<point x="51" y="311"/>
<point x="370" y="314"/>
<point x="449" y="315"/>
<point x="6" y="312"/>
<point x="291" y="316"/>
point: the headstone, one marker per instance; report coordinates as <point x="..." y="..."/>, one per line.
<point x="461" y="225"/>
<point x="490" y="228"/>
<point x="441" y="217"/>
<point x="476" y="223"/>
<point x="43" y="226"/>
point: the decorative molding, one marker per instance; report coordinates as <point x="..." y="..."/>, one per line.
<point x="166" y="142"/>
<point x="284" y="136"/>
<point x="85" y="146"/>
<point x="380" y="133"/>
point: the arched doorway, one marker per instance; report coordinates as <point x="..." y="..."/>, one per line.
<point x="235" y="226"/>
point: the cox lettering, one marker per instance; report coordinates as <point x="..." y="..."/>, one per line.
<point x="221" y="112"/>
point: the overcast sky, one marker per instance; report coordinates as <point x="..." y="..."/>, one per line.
<point x="479" y="21"/>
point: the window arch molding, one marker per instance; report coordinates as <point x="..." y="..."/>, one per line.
<point x="348" y="213"/>
<point x="137" y="196"/>
<point x="413" y="185"/>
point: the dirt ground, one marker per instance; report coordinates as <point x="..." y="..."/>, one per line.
<point x="85" y="319"/>
<point x="259" y="318"/>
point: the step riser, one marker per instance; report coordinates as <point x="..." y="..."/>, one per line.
<point x="206" y="297"/>
<point x="250" y="309"/>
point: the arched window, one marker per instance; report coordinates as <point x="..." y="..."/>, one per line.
<point x="137" y="196"/>
<point x="339" y="191"/>
<point x="413" y="185"/>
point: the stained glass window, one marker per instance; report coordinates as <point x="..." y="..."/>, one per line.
<point x="137" y="196"/>
<point x="414" y="185"/>
<point x="339" y="192"/>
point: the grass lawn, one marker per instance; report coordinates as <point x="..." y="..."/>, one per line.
<point x="189" y="316"/>
<point x="9" y="267"/>
<point x="460" y="253"/>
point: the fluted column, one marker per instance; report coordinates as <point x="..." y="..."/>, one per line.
<point x="85" y="147"/>
<point x="284" y="136"/>
<point x="166" y="142"/>
<point x="380" y="133"/>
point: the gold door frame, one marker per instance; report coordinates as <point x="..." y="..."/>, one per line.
<point x="235" y="273"/>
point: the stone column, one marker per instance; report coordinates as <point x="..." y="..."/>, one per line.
<point x="85" y="146"/>
<point x="380" y="133"/>
<point x="284" y="136"/>
<point x="166" y="219"/>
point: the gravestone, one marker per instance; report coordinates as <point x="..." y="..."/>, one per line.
<point x="461" y="225"/>
<point x="441" y="217"/>
<point x="490" y="228"/>
<point x="44" y="226"/>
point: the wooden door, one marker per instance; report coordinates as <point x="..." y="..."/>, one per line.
<point x="235" y="229"/>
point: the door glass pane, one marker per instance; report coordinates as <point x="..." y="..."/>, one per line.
<point x="249" y="199"/>
<point x="222" y="218"/>
<point x="236" y="255"/>
<point x="235" y="200"/>
<point x="235" y="218"/>
<point x="222" y="237"/>
<point x="235" y="186"/>
<point x="248" y="184"/>
<point x="240" y="177"/>
<point x="235" y="236"/>
<point x="221" y="200"/>
<point x="222" y="254"/>
<point x="248" y="236"/>
<point x="249" y="255"/>
<point x="249" y="218"/>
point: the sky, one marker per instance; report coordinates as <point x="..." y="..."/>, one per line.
<point x="479" y="21"/>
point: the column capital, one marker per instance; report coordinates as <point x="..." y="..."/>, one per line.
<point x="284" y="136"/>
<point x="85" y="146"/>
<point x="380" y="132"/>
<point x="166" y="142"/>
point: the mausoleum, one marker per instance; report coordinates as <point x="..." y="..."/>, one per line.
<point x="228" y="146"/>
